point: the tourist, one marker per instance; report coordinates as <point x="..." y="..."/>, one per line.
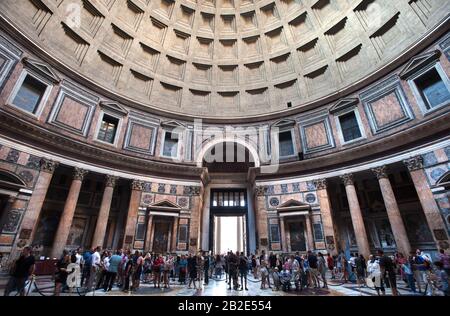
<point x="313" y="268"/>
<point x="407" y="271"/>
<point x="87" y="268"/>
<point x="138" y="267"/>
<point x="276" y="280"/>
<point x="103" y="269"/>
<point x="127" y="272"/>
<point x="61" y="272"/>
<point x="157" y="267"/>
<point x="285" y="278"/>
<point x="374" y="271"/>
<point x="200" y="268"/>
<point x="234" y="266"/>
<point x="360" y="268"/>
<point x="387" y="268"/>
<point x="322" y="269"/>
<point x="421" y="268"/>
<point x="445" y="259"/>
<point x="294" y="266"/>
<point x="330" y="264"/>
<point x="243" y="270"/>
<point x="21" y="270"/>
<point x="147" y="269"/>
<point x="111" y="274"/>
<point x="96" y="266"/>
<point x="182" y="265"/>
<point x="218" y="267"/>
<point x="192" y="270"/>
<point x="254" y="267"/>
<point x="443" y="278"/>
<point x="264" y="275"/>
<point x="206" y="267"/>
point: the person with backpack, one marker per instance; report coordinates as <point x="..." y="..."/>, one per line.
<point x="421" y="268"/>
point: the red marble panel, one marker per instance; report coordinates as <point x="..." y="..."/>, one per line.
<point x="316" y="135"/>
<point x="72" y="113"/>
<point x="6" y="239"/>
<point x="387" y="110"/>
<point x="141" y="136"/>
<point x="276" y="246"/>
<point x="139" y="244"/>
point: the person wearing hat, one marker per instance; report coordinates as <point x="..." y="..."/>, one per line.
<point x="22" y="269"/>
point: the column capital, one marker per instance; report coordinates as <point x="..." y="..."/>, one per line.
<point x="380" y="172"/>
<point x="347" y="179"/>
<point x="48" y="165"/>
<point x="321" y="184"/>
<point x="137" y="185"/>
<point x="261" y="190"/>
<point x="415" y="163"/>
<point x="111" y="180"/>
<point x="79" y="174"/>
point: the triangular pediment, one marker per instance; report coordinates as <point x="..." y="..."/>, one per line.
<point x="344" y="104"/>
<point x="165" y="204"/>
<point x="114" y="107"/>
<point x="293" y="204"/>
<point x="41" y="69"/>
<point x="419" y="62"/>
<point x="172" y="124"/>
<point x="284" y="123"/>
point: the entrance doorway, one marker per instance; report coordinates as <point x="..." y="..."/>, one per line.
<point x="230" y="234"/>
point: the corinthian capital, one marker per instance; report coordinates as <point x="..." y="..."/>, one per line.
<point x="137" y="185"/>
<point x="414" y="163"/>
<point x="347" y="179"/>
<point x="48" y="165"/>
<point x="78" y="174"/>
<point x="111" y="181"/>
<point x="380" y="172"/>
<point x="261" y="190"/>
<point x="321" y="184"/>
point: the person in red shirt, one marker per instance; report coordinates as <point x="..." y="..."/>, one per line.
<point x="330" y="264"/>
<point x="158" y="265"/>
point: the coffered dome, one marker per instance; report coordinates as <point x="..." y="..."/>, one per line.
<point x="225" y="58"/>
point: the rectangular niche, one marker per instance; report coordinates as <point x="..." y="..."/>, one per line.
<point x="301" y="26"/>
<point x="186" y="16"/>
<point x="276" y="40"/>
<point x="310" y="54"/>
<point x="168" y="94"/>
<point x="200" y="98"/>
<point x="386" y="105"/>
<point x="282" y="65"/>
<point x="75" y="44"/>
<point x="147" y="57"/>
<point x="318" y="80"/>
<point x="155" y="31"/>
<point x="339" y="35"/>
<point x="269" y="14"/>
<point x="141" y="134"/>
<point x="180" y="42"/>
<point x="201" y="73"/>
<point x="119" y="41"/>
<point x="130" y="14"/>
<point x="252" y="46"/>
<point x="228" y="100"/>
<point x="351" y="63"/>
<point x="111" y="68"/>
<point x="327" y="10"/>
<point x="206" y="22"/>
<point x="140" y="83"/>
<point x="91" y="18"/>
<point x="174" y="67"/>
<point x="257" y="98"/>
<point x="248" y="21"/>
<point x="228" y="75"/>
<point x="205" y="47"/>
<point x="228" y="24"/>
<point x="389" y="33"/>
<point x="287" y="91"/>
<point x="316" y="134"/>
<point x="255" y="72"/>
<point x="165" y="8"/>
<point x="228" y="49"/>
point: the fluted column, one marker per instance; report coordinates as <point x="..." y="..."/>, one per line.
<point x="284" y="245"/>
<point x="133" y="207"/>
<point x="356" y="214"/>
<point x="327" y="216"/>
<point x="33" y="212"/>
<point x="310" y="233"/>
<point x="65" y="222"/>
<point x="429" y="205"/>
<point x="395" y="218"/>
<point x="174" y="234"/>
<point x="148" y="235"/>
<point x="103" y="215"/>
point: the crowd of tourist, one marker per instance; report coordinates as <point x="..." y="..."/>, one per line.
<point x="127" y="270"/>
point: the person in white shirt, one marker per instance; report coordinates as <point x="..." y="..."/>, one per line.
<point x="374" y="271"/>
<point x="96" y="259"/>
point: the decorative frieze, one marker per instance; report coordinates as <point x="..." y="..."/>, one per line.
<point x="192" y="190"/>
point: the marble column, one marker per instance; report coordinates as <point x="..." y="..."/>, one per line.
<point x="133" y="208"/>
<point x="284" y="245"/>
<point x="218" y="234"/>
<point x="395" y="218"/>
<point x="239" y="234"/>
<point x="194" y="226"/>
<point x="261" y="218"/>
<point x="33" y="212"/>
<point x="356" y="214"/>
<point x="429" y="205"/>
<point x="148" y="235"/>
<point x="310" y="233"/>
<point x="103" y="215"/>
<point x="327" y="216"/>
<point x="174" y="234"/>
<point x="65" y="222"/>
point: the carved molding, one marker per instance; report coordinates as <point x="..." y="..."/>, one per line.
<point x="321" y="184"/>
<point x="48" y="166"/>
<point x="79" y="174"/>
<point x="347" y="179"/>
<point x="415" y="163"/>
<point x="111" y="181"/>
<point x="380" y="172"/>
